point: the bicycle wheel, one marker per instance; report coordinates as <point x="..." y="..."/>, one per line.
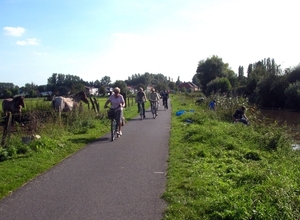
<point x="153" y="110"/>
<point x="116" y="130"/>
<point x="141" y="112"/>
<point x="113" y="131"/>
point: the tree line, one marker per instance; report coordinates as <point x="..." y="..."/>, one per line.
<point x="63" y="84"/>
<point x="266" y="84"/>
<point x="263" y="83"/>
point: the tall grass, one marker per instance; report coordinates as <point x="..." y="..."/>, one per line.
<point x="221" y="170"/>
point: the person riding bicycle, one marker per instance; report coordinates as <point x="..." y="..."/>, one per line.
<point x="165" y="96"/>
<point x="141" y="97"/>
<point x="118" y="103"/>
<point x="154" y="97"/>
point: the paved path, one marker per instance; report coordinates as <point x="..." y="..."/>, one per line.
<point x="122" y="180"/>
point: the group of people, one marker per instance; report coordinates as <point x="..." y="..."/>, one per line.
<point x="118" y="103"/>
<point x="153" y="97"/>
<point x="238" y="116"/>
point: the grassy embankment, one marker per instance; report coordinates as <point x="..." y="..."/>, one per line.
<point x="221" y="170"/>
<point x="59" y="139"/>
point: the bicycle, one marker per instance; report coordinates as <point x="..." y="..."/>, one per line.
<point x="154" y="108"/>
<point x="141" y="109"/>
<point x="111" y="112"/>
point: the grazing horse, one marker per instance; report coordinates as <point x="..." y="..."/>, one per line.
<point x="63" y="104"/>
<point x="13" y="105"/>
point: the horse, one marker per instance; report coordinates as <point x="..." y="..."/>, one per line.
<point x="13" y="105"/>
<point x="62" y="104"/>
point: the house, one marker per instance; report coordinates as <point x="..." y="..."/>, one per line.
<point x="189" y="86"/>
<point x="91" y="91"/>
<point x="148" y="89"/>
<point x="130" y="89"/>
<point x="46" y="94"/>
<point x="109" y="90"/>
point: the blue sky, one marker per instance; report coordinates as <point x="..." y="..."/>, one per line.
<point x="117" y="38"/>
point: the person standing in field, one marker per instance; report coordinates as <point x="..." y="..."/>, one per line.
<point x="213" y="105"/>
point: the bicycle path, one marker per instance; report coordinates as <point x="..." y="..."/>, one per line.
<point x="123" y="179"/>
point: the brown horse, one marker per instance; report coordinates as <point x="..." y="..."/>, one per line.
<point x="62" y="104"/>
<point x="13" y="105"/>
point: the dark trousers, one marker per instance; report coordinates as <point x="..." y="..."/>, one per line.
<point x="165" y="102"/>
<point x="143" y="107"/>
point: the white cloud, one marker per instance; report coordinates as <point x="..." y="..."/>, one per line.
<point x="14" y="31"/>
<point x="29" y="41"/>
<point x="40" y="53"/>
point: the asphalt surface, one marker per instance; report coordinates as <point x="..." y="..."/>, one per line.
<point x="123" y="179"/>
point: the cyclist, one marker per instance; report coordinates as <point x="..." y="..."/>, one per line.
<point x="117" y="102"/>
<point x="154" y="97"/>
<point x="165" y="96"/>
<point x="141" y="97"/>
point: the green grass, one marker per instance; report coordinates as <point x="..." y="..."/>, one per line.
<point x="59" y="139"/>
<point x="221" y="170"/>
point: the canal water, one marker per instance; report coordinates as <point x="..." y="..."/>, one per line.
<point x="290" y="117"/>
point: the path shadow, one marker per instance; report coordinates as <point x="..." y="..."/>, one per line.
<point x="82" y="140"/>
<point x="101" y="139"/>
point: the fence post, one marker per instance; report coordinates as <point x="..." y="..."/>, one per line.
<point x="6" y="129"/>
<point x="93" y="104"/>
<point x="97" y="104"/>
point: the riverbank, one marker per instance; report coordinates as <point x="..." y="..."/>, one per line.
<point x="221" y="170"/>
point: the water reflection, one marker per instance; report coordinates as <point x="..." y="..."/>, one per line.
<point x="282" y="116"/>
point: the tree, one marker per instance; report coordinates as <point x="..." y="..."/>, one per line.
<point x="218" y="85"/>
<point x="292" y="94"/>
<point x="32" y="93"/>
<point x="105" y="81"/>
<point x="42" y="88"/>
<point x="6" y="93"/>
<point x="140" y="85"/>
<point x="241" y="72"/>
<point x="183" y="89"/>
<point x="102" y="90"/>
<point x="97" y="84"/>
<point x="65" y="83"/>
<point x="161" y="86"/>
<point x="172" y="86"/>
<point x="122" y="85"/>
<point x="212" y="68"/>
<point x="249" y="70"/>
<point x="178" y="82"/>
<point x="294" y="74"/>
<point x="196" y="80"/>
